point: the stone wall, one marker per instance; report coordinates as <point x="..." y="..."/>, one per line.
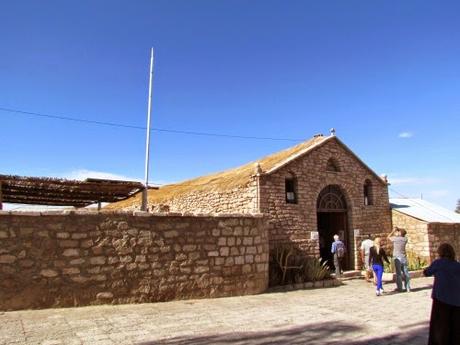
<point x="297" y="223"/>
<point x="237" y="200"/>
<point x="79" y="258"/>
<point x="444" y="233"/>
<point x="424" y="238"/>
<point x="417" y="234"/>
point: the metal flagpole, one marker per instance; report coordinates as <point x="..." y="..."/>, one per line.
<point x="147" y="142"/>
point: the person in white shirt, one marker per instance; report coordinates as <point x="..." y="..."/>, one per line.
<point x="365" y="249"/>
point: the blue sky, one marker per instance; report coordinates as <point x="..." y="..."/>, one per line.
<point x="385" y="74"/>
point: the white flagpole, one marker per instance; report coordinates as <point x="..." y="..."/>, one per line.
<point x="147" y="142"/>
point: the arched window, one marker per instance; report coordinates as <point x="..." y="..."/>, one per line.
<point x="368" y="197"/>
<point x="331" y="199"/>
<point x="332" y="165"/>
<point x="291" y="189"/>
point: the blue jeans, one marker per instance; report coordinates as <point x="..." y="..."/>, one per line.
<point x="378" y="269"/>
<point x="402" y="271"/>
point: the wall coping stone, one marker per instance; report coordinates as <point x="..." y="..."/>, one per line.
<point x="130" y="213"/>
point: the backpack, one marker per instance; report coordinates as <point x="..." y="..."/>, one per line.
<point x="340" y="250"/>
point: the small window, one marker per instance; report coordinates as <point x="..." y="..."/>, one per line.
<point x="332" y="165"/>
<point x="368" y="193"/>
<point x="291" y="190"/>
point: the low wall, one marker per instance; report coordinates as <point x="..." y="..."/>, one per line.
<point x="78" y="258"/>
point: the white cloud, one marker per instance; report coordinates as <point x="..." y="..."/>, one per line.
<point x="82" y="174"/>
<point x="406" y="135"/>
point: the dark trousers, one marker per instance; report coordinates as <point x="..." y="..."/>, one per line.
<point x="338" y="265"/>
<point x="444" y="324"/>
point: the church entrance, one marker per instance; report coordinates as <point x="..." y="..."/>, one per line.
<point x="332" y="219"/>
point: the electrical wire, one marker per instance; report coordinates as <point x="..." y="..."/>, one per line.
<point x="156" y="129"/>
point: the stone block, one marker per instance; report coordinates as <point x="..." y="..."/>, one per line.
<point x="247" y="241"/>
<point x="201" y="269"/>
<point x="170" y="234"/>
<point x="68" y="243"/>
<point x="62" y="235"/>
<point x="224" y="251"/>
<point x="79" y="279"/>
<point x="126" y="259"/>
<point x="140" y="258"/>
<point x="79" y="236"/>
<point x="97" y="260"/>
<point x="77" y="261"/>
<point x="49" y="273"/>
<point x="71" y="252"/>
<point x="189" y="248"/>
<point x="222" y="241"/>
<point x="94" y="270"/>
<point x="7" y="259"/>
<point x="72" y="270"/>
<point x="26" y="263"/>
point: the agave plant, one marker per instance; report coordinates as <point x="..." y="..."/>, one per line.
<point x="313" y="269"/>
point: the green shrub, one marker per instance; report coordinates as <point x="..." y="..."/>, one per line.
<point x="414" y="262"/>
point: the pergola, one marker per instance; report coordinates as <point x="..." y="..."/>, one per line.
<point x="62" y="192"/>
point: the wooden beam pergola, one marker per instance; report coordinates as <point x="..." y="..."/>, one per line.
<point x="63" y="192"/>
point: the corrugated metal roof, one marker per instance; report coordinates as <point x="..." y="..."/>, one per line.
<point x="424" y="210"/>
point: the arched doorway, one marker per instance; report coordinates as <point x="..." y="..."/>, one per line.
<point x="332" y="219"/>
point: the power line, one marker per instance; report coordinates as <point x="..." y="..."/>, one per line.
<point x="156" y="129"/>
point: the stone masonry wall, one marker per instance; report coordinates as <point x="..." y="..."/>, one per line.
<point x="417" y="234"/>
<point x="297" y="223"/>
<point x="74" y="258"/>
<point x="237" y="200"/>
<point x="424" y="238"/>
<point x="444" y="233"/>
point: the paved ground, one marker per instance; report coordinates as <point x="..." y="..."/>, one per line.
<point x="349" y="314"/>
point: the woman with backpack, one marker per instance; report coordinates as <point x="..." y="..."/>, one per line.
<point x="376" y="257"/>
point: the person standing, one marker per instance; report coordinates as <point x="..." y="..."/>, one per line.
<point x="399" y="239"/>
<point x="445" y="312"/>
<point x="376" y="257"/>
<point x="365" y="248"/>
<point x="338" y="250"/>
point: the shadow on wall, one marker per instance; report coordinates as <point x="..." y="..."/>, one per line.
<point x="313" y="334"/>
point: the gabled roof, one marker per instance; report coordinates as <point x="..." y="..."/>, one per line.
<point x="236" y="177"/>
<point x="424" y="211"/>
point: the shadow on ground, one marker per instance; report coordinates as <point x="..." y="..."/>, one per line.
<point x="314" y="334"/>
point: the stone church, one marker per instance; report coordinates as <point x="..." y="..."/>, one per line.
<point x="308" y="192"/>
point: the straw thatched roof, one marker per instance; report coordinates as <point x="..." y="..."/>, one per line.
<point x="62" y="192"/>
<point x="226" y="180"/>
